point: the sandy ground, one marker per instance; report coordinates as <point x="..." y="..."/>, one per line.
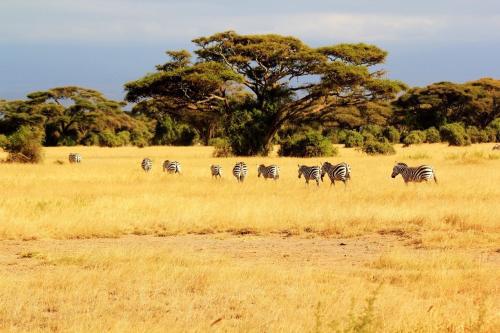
<point x="337" y="252"/>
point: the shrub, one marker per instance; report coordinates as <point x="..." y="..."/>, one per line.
<point x="476" y="135"/>
<point x="372" y="130"/>
<point x="494" y="126"/>
<point x="454" y="134"/>
<point x="186" y="136"/>
<point x="378" y="148"/>
<point x="109" y="139"/>
<point x="432" y="135"/>
<point x="353" y="139"/>
<point x="123" y="138"/>
<point x="25" y="145"/>
<point x="3" y="141"/>
<point x="91" y="140"/>
<point x="392" y="134"/>
<point x="310" y="144"/>
<point x="414" y="138"/>
<point x="222" y="147"/>
<point x="338" y="136"/>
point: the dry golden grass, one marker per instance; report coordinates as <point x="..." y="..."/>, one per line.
<point x="419" y="258"/>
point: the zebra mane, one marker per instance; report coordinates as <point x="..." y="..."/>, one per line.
<point x="402" y="164"/>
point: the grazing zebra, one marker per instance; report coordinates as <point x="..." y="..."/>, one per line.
<point x="147" y="164"/>
<point x="75" y="158"/>
<point x="416" y="174"/>
<point x="310" y="173"/>
<point x="272" y="171"/>
<point x="341" y="172"/>
<point x="496" y="147"/>
<point x="172" y="167"/>
<point x="216" y="170"/>
<point x="240" y="171"/>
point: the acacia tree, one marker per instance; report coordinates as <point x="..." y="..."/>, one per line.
<point x="474" y="103"/>
<point x="288" y="80"/>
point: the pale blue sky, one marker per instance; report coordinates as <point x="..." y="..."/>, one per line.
<point x="103" y="43"/>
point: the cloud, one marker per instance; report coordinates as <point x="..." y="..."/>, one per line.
<point x="153" y="21"/>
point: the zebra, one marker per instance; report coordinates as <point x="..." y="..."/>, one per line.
<point x="147" y="164"/>
<point x="414" y="174"/>
<point x="341" y="172"/>
<point x="496" y="147"/>
<point x="172" y="167"/>
<point x="75" y="158"/>
<point x="216" y="170"/>
<point x="272" y="171"/>
<point x="310" y="173"/>
<point x="240" y="171"/>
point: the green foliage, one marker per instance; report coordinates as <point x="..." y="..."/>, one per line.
<point x="392" y="134"/>
<point x="170" y="132"/>
<point x="472" y="103"/>
<point x="378" y="148"/>
<point x="109" y="139"/>
<point x="309" y="144"/>
<point x="432" y="135"/>
<point x="25" y="145"/>
<point x="476" y="135"/>
<point x="222" y="147"/>
<point x="353" y="139"/>
<point x="494" y="127"/>
<point x="414" y="138"/>
<point x="338" y="136"/>
<point x="454" y="134"/>
<point x="3" y="141"/>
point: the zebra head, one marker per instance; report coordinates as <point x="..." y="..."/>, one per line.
<point x="261" y="170"/>
<point x="301" y="169"/>
<point x="324" y="169"/>
<point x="398" y="168"/>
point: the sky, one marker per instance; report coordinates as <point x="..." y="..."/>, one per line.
<point x="102" y="44"/>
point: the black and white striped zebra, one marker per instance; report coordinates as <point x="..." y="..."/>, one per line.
<point x="147" y="164"/>
<point x="422" y="173"/>
<point x="310" y="173"/>
<point x="240" y="171"/>
<point x="340" y="172"/>
<point x="216" y="170"/>
<point x="271" y="171"/>
<point x="172" y="167"/>
<point x="75" y="158"/>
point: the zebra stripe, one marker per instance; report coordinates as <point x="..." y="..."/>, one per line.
<point x="272" y="171"/>
<point x="147" y="164"/>
<point x="310" y="173"/>
<point x="74" y="158"/>
<point x="172" y="167"/>
<point x="414" y="174"/>
<point x="216" y="170"/>
<point x="340" y="172"/>
<point x="240" y="171"/>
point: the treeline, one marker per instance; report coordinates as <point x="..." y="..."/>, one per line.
<point x="245" y="93"/>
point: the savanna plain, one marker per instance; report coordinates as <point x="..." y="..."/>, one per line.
<point x="104" y="246"/>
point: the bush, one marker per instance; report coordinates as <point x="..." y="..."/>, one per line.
<point x="338" y="136"/>
<point x="378" y="148"/>
<point x="372" y="131"/>
<point x="25" y="145"/>
<point x="353" y="139"/>
<point x="310" y="144"/>
<point x="494" y="127"/>
<point x="476" y="135"/>
<point x="3" y="141"/>
<point x="123" y="138"/>
<point x="392" y="134"/>
<point x="414" y="138"/>
<point x="454" y="134"/>
<point x="222" y="147"/>
<point x="91" y="139"/>
<point x="432" y="135"/>
<point x="186" y="136"/>
<point x="109" y="139"/>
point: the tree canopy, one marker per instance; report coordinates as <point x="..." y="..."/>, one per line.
<point x="284" y="79"/>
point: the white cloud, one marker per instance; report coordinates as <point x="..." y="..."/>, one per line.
<point x="115" y="21"/>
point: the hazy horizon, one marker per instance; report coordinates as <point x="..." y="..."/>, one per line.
<point x="50" y="43"/>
